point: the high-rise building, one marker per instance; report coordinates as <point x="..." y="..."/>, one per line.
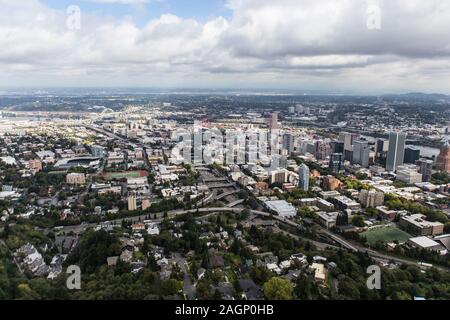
<point x="132" y="202"/>
<point x="371" y="198"/>
<point x="279" y="176"/>
<point x="443" y="160"/>
<point x="347" y="138"/>
<point x="348" y="155"/>
<point x="322" y="150"/>
<point x="396" y="153"/>
<point x="288" y="142"/>
<point x="279" y="162"/>
<point x="337" y="162"/>
<point x="361" y="153"/>
<point x="274" y="121"/>
<point x="303" y="177"/>
<point x="412" y="154"/>
<point x="337" y="147"/>
<point x="382" y="146"/>
<point x="426" y="169"/>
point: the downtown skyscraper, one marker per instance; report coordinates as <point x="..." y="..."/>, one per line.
<point x="396" y="153"/>
<point x="303" y="177"/>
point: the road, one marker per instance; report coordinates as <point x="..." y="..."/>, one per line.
<point x="106" y="133"/>
<point x="235" y="203"/>
<point x="188" y="287"/>
<point x="207" y="200"/>
<point x="343" y="242"/>
<point x="226" y="194"/>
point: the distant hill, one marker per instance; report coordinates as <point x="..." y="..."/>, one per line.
<point x="419" y="96"/>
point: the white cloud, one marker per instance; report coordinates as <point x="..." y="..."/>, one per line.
<point x="293" y="43"/>
<point x="121" y="1"/>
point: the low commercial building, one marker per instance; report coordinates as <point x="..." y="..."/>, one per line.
<point x="324" y="204"/>
<point x="329" y="194"/>
<point x="427" y="244"/>
<point x="76" y="178"/>
<point x="409" y="176"/>
<point x="278" y="176"/>
<point x="110" y="190"/>
<point x="328" y="219"/>
<point x="377" y="170"/>
<point x="386" y="213"/>
<point x="319" y="272"/>
<point x="35" y="165"/>
<point x="417" y="224"/>
<point x="344" y="203"/>
<point x="282" y="208"/>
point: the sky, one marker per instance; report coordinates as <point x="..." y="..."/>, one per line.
<point x="352" y="46"/>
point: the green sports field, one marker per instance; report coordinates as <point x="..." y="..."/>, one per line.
<point x="386" y="235"/>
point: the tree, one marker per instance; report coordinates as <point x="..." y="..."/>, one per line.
<point x="260" y="275"/>
<point x="93" y="249"/>
<point x="358" y="221"/>
<point x="278" y="289"/>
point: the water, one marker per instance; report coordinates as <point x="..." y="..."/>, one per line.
<point x="425" y="151"/>
<point x="428" y="152"/>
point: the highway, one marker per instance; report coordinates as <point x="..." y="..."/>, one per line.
<point x="341" y="241"/>
<point x="78" y="229"/>
<point x="224" y="195"/>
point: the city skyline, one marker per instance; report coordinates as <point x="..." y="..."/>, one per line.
<point x="204" y="155"/>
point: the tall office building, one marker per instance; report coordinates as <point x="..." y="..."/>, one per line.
<point x="288" y="142"/>
<point x="348" y="138"/>
<point x="443" y="159"/>
<point x="279" y="176"/>
<point x="371" y="198"/>
<point x="426" y="169"/>
<point x="412" y="154"/>
<point x="132" y="202"/>
<point x="274" y="121"/>
<point x="361" y="153"/>
<point x="337" y="147"/>
<point x="303" y="177"/>
<point x="279" y="161"/>
<point x="382" y="146"/>
<point x="322" y="150"/>
<point x="396" y="153"/>
<point x="336" y="162"/>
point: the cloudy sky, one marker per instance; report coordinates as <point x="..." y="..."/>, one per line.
<point x="361" y="46"/>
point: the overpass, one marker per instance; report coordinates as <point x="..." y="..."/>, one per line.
<point x="344" y="243"/>
<point x="224" y="195"/>
<point x="106" y="133"/>
<point x="206" y="200"/>
<point x="235" y="203"/>
<point x="222" y="186"/>
<point x="211" y="180"/>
